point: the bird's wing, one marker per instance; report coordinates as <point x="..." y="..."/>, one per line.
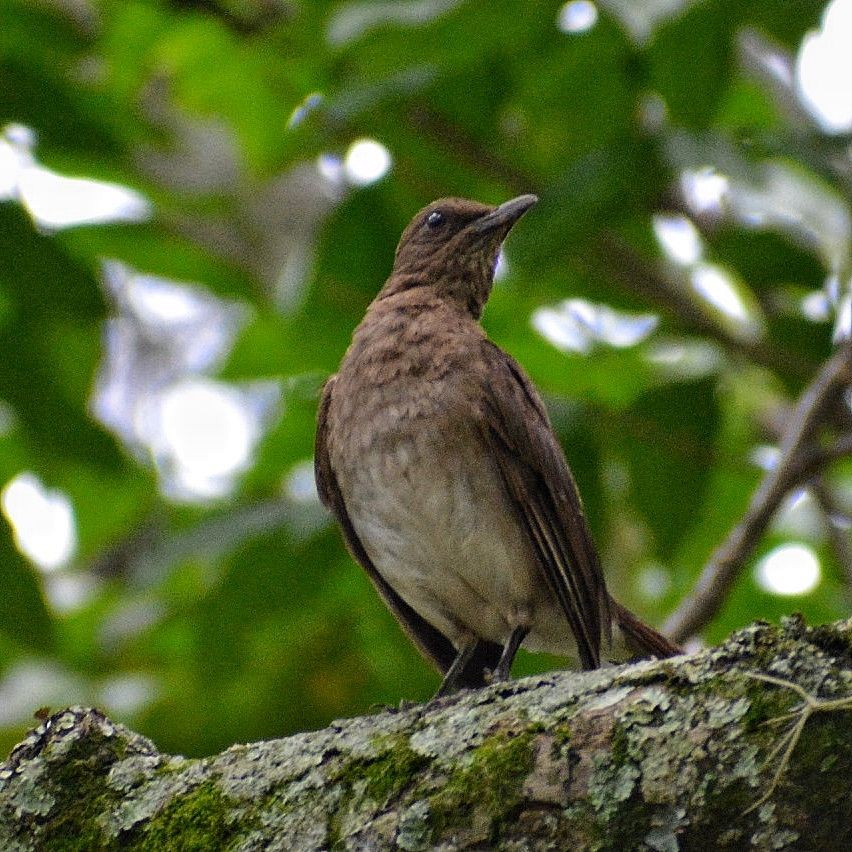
<point x="429" y="641"/>
<point x="540" y="487"/>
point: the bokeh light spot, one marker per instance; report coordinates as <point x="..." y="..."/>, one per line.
<point x="824" y="69"/>
<point x="678" y="238"/>
<point x="366" y="161"/>
<point x="578" y="325"/>
<point x="42" y="521"/>
<point x="577" y="16"/>
<point x="790" y="569"/>
<point x="207" y="428"/>
<point x="714" y="285"/>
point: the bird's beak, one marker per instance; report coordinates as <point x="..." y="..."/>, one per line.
<point x="505" y="215"/>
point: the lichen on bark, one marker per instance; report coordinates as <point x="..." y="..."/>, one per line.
<point x="658" y="755"/>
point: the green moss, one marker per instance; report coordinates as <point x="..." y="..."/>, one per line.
<point x="335" y="841"/>
<point x="824" y="738"/>
<point x="174" y="766"/>
<point x="491" y="783"/>
<point x="724" y="803"/>
<point x="627" y="825"/>
<point x="765" y="704"/>
<point x="79" y="787"/>
<point x="197" y="821"/>
<point x="619" y="744"/>
<point x="387" y="774"/>
<point x="561" y="738"/>
<point x="382" y="778"/>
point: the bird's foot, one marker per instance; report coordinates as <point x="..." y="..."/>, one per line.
<point x="495" y="675"/>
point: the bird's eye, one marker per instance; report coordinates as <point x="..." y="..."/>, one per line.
<point x="435" y="219"/>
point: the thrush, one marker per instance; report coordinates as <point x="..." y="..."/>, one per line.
<point x="436" y="456"/>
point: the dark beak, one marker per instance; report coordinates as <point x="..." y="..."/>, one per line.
<point x="505" y="215"/>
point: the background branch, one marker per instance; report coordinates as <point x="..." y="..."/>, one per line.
<point x="625" y="265"/>
<point x="718" y="576"/>
<point x="815" y="458"/>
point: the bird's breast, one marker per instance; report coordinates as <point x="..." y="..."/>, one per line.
<point x="430" y="509"/>
<point x="425" y="510"/>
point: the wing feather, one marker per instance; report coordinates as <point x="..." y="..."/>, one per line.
<point x="542" y="491"/>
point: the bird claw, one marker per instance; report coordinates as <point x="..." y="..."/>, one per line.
<point x="491" y="676"/>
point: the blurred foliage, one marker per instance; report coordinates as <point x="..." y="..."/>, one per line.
<point x="244" y="617"/>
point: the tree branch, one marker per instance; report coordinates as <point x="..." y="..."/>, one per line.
<point x="673" y="754"/>
<point x="797" y="459"/>
<point x="623" y="264"/>
<point x="815" y="458"/>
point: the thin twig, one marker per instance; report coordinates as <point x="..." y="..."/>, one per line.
<point x="719" y="574"/>
<point x="810" y="705"/>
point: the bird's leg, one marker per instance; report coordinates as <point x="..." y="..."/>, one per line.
<point x="507" y="657"/>
<point x="465" y="652"/>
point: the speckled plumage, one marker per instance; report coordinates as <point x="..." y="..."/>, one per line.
<point x="435" y="453"/>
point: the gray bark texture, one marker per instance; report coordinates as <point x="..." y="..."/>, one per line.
<point x="744" y="746"/>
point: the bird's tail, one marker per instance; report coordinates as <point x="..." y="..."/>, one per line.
<point x="641" y="639"/>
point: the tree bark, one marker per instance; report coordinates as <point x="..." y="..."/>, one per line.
<point x="744" y="746"/>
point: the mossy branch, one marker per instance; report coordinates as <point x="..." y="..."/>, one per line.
<point x="660" y="755"/>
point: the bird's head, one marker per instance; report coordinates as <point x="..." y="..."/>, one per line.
<point x="451" y="246"/>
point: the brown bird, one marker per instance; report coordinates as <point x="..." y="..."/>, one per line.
<point x="435" y="454"/>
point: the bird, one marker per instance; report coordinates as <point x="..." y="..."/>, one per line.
<point x="436" y="456"/>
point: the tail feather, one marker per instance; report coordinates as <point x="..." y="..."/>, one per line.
<point x="640" y="638"/>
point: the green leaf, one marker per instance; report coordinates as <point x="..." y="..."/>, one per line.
<point x="24" y="617"/>
<point x="48" y="365"/>
<point x="669" y="444"/>
<point x="689" y="63"/>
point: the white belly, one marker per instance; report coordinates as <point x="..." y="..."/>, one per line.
<point x="441" y="536"/>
